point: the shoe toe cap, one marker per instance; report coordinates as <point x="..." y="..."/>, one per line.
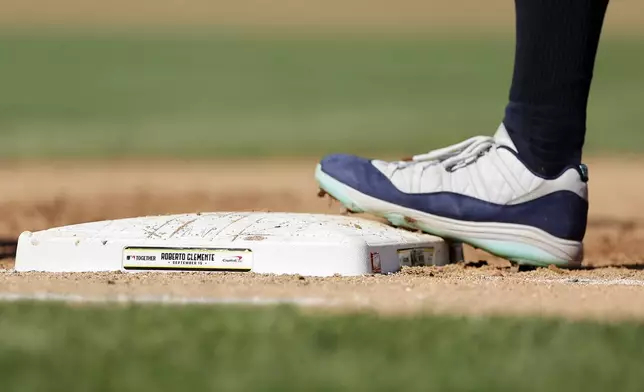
<point x="350" y="170"/>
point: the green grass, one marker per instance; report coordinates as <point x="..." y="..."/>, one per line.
<point x="154" y="348"/>
<point x="220" y="95"/>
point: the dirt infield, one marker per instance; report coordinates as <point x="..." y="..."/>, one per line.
<point x="46" y="195"/>
<point x="625" y="16"/>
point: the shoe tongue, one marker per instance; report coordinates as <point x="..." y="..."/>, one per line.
<point x="502" y="138"/>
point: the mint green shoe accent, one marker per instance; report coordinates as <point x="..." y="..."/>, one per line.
<point x="584" y="172"/>
<point x="336" y="189"/>
<point x="399" y="220"/>
<point x="520" y="253"/>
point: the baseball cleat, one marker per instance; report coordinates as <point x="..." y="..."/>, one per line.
<point x="477" y="192"/>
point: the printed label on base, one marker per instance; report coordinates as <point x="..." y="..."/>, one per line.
<point x="416" y="257"/>
<point x="187" y="259"/>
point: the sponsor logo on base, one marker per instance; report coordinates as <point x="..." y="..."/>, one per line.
<point x="187" y="258"/>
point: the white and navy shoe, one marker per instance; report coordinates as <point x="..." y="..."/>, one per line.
<point x="477" y="192"/>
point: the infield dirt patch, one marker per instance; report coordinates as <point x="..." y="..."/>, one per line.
<point x="46" y="195"/>
<point x="625" y="16"/>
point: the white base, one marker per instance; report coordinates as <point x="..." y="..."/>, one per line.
<point x="261" y="242"/>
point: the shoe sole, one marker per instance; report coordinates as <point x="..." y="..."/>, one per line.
<point x="524" y="245"/>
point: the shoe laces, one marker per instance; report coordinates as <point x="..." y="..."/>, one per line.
<point x="455" y="156"/>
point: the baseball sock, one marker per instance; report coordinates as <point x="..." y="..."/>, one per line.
<point x="556" y="46"/>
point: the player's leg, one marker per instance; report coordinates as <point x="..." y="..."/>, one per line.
<point x="555" y="56"/>
<point x="521" y="194"/>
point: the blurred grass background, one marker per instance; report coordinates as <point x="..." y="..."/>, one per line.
<point x="253" y="79"/>
<point x="55" y="347"/>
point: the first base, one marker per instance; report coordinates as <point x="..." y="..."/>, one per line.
<point x="260" y="242"/>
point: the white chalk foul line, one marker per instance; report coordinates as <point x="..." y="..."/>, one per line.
<point x="572" y="281"/>
<point x="161" y="299"/>
<point x="599" y="282"/>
